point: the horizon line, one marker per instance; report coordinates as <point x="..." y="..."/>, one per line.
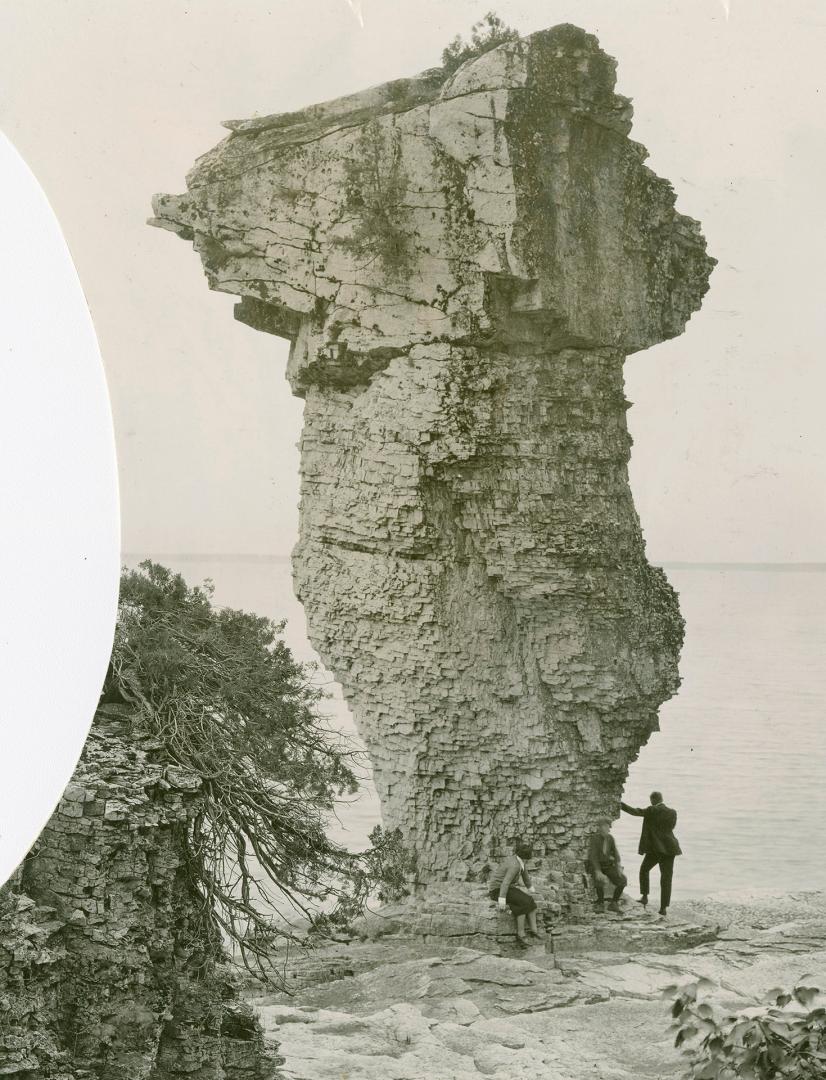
<point x="672" y="564"/>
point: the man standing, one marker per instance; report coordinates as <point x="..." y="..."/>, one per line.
<point x="658" y="845"/>
<point x="604" y="862"/>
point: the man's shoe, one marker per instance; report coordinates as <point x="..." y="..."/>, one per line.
<point x="663" y="916"/>
<point x="614" y="906"/>
<point x="534" y="934"/>
<point x="599" y="906"/>
<point x="521" y="943"/>
<point x="643" y="901"/>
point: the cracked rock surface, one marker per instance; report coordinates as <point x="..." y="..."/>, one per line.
<point x="462" y="265"/>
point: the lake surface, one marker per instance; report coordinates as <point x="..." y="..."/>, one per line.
<point x="740" y="754"/>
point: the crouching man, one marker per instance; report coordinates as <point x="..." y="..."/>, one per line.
<point x="603" y="863"/>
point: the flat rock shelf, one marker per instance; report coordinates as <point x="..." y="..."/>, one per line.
<point x="588" y="1002"/>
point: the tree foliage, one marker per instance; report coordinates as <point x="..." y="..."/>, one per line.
<point x="785" y="1037"/>
<point x="221" y="691"/>
<point x="486" y="34"/>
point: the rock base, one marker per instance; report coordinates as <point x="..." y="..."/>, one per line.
<point x="464" y="915"/>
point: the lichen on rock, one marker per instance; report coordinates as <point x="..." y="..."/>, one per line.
<point x="462" y="264"/>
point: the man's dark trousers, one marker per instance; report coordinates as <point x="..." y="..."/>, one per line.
<point x="666" y="863"/>
<point x="615" y="876"/>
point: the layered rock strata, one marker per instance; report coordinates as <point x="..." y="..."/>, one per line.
<point x="462" y="265"/>
<point x="104" y="972"/>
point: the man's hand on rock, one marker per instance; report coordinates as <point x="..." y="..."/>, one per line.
<point x="501" y="903"/>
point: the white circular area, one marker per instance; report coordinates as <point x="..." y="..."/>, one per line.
<point x="60" y="535"/>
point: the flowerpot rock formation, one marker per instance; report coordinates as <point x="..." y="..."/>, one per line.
<point x="462" y="263"/>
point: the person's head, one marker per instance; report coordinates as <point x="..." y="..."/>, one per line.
<point x="604" y="826"/>
<point x="523" y="850"/>
<point x="656" y="798"/>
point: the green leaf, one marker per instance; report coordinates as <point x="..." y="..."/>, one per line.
<point x="777" y="1055"/>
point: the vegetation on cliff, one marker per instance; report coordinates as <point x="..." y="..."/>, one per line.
<point x="222" y="692"/>
<point x="374" y="194"/>
<point x="485" y="34"/>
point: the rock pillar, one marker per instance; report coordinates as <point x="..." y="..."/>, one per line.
<point x="462" y="265"/>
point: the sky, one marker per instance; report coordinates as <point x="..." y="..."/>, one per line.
<point x="110" y="101"/>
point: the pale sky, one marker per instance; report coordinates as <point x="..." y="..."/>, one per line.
<point x="110" y="101"/>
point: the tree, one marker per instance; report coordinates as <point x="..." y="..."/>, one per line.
<point x="221" y="691"/>
<point x="785" y="1037"/>
<point x="486" y="34"/>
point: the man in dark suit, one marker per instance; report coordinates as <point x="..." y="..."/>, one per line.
<point x="658" y="846"/>
<point x="603" y="862"/>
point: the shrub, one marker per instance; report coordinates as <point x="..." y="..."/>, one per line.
<point x="785" y="1037"/>
<point x="486" y="34"/>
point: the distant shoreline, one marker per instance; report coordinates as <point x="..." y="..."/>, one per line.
<point x="252" y="557"/>
<point x="783" y="567"/>
<point x="188" y="556"/>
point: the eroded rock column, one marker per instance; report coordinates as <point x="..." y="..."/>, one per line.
<point x="462" y="265"/>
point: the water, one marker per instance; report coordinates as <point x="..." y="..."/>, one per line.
<point x="740" y="752"/>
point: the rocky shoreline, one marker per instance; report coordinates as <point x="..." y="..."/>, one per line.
<point x="586" y="1002"/>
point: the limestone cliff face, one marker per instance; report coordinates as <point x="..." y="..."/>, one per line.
<point x="104" y="974"/>
<point x="462" y="266"/>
